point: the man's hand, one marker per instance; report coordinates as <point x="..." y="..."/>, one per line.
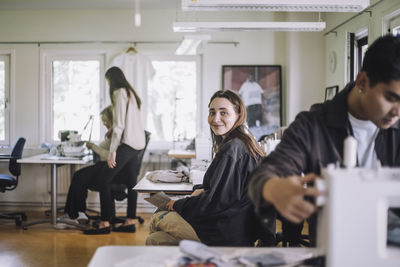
<point x="197" y="192"/>
<point x="287" y="195"/>
<point x="111" y="160"/>
<point x="170" y="205"/>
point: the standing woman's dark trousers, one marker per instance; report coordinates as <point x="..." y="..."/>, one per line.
<point x="126" y="172"/>
<point x="78" y="190"/>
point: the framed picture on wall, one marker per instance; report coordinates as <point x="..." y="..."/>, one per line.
<point x="260" y="87"/>
<point x="331" y="91"/>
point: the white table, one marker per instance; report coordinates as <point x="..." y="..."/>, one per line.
<point x="147" y="186"/>
<point x="54" y="161"/>
<point x="138" y="256"/>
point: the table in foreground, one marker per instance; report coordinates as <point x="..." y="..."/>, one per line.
<point x="121" y="256"/>
<point x="54" y="161"/>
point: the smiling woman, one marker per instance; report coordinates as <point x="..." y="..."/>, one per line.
<point x="221" y="205"/>
<point x="222" y="116"/>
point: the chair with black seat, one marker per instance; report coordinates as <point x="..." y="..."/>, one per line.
<point x="8" y="182"/>
<point x="291" y="234"/>
<point x="119" y="191"/>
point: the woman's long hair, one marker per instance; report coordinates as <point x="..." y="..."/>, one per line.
<point x="239" y="129"/>
<point x="117" y="80"/>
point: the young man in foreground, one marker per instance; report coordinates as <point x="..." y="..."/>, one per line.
<point x="368" y="109"/>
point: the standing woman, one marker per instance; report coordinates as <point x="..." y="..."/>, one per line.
<point x="127" y="140"/>
<point x="220" y="213"/>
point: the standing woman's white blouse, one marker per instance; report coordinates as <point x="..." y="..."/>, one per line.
<point x="127" y="123"/>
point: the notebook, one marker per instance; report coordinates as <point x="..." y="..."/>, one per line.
<point x="159" y="200"/>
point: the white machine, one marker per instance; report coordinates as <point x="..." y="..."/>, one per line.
<point x="353" y="221"/>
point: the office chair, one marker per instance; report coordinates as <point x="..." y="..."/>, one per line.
<point x="8" y="182"/>
<point x="118" y="190"/>
<point x="291" y="234"/>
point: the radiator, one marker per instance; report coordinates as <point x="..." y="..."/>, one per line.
<point x="64" y="179"/>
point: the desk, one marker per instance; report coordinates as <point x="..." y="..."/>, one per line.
<point x="54" y="161"/>
<point x="141" y="256"/>
<point x="147" y="186"/>
<point x="181" y="154"/>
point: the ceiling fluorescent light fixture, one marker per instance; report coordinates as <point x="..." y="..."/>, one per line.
<point x="138" y="17"/>
<point x="276" y="5"/>
<point x="249" y="26"/>
<point x="191" y="43"/>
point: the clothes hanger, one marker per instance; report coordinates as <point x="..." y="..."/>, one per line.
<point x="91" y="130"/>
<point x="91" y="120"/>
<point x="131" y="49"/>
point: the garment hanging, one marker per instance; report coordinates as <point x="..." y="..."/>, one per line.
<point x="137" y="68"/>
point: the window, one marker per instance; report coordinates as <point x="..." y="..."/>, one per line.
<point x="362" y="46"/>
<point x="391" y="22"/>
<point x="357" y="44"/>
<point x="172" y="99"/>
<point x="396" y="31"/>
<point x="394" y="24"/>
<point x="77" y="92"/>
<point x="4" y="97"/>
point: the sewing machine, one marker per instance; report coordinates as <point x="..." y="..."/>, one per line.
<point x="71" y="144"/>
<point x="353" y="220"/>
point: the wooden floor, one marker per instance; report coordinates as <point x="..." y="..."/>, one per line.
<point x="41" y="245"/>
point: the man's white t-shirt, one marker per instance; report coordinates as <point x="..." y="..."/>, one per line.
<point x="365" y="133"/>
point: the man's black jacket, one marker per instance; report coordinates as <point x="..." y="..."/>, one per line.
<point x="223" y="214"/>
<point x="311" y="142"/>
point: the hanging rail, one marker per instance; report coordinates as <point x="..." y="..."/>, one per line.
<point x="112" y="42"/>
<point x="351" y="18"/>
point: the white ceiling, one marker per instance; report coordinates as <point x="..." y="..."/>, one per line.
<point x="88" y="4"/>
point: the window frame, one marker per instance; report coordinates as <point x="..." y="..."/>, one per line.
<point x="360" y="43"/>
<point x="199" y="95"/>
<point x="361" y="39"/>
<point x="388" y="20"/>
<point x="9" y="58"/>
<point x="46" y="89"/>
<point x="355" y="42"/>
<point x="350" y="56"/>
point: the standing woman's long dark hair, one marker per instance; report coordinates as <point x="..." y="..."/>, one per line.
<point x="117" y="80"/>
<point x="239" y="129"/>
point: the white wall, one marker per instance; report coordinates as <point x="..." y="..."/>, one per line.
<point x="336" y="42"/>
<point x="300" y="54"/>
<point x="304" y="68"/>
